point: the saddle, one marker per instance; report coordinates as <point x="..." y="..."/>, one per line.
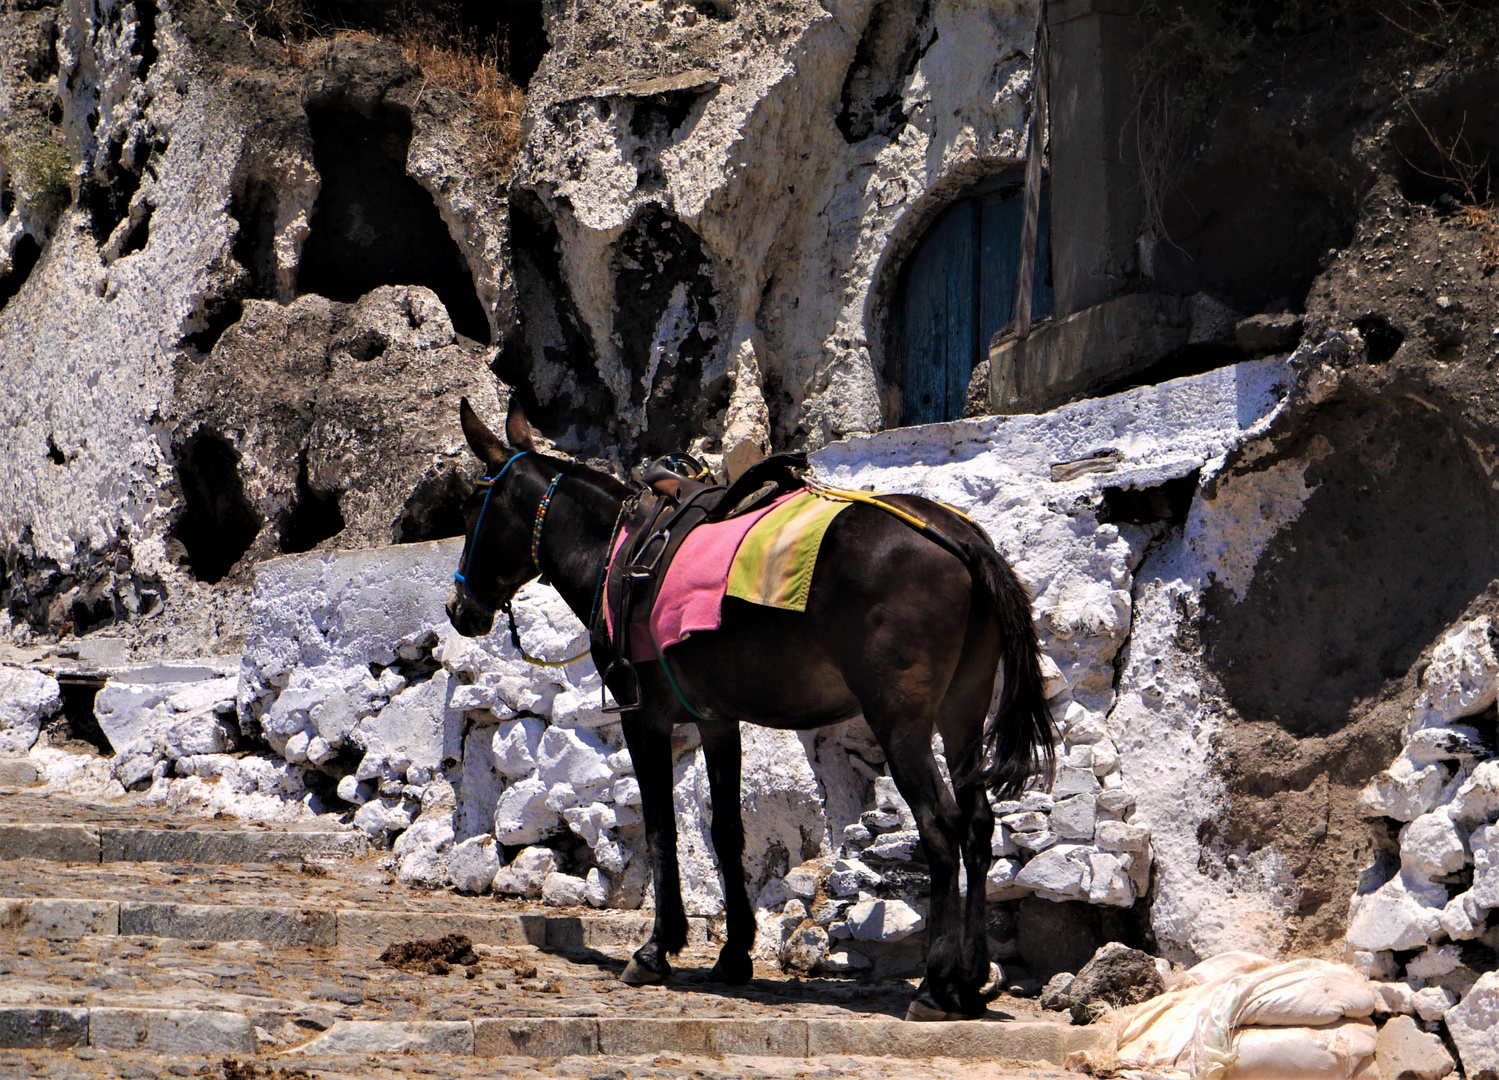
<point x="667" y="510"/>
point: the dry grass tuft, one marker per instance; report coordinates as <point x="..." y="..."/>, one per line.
<point x="458" y="62"/>
<point x="432" y="36"/>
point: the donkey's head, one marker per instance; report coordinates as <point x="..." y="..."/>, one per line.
<point x="497" y="524"/>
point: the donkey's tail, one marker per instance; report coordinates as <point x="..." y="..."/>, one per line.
<point x="1020" y="740"/>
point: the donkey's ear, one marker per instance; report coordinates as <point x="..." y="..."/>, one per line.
<point x="481" y="440"/>
<point x="517" y="427"/>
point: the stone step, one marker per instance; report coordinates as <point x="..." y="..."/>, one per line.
<point x="17" y="772"/>
<point x="183" y="1031"/>
<point x="84" y="843"/>
<point x="60" y="918"/>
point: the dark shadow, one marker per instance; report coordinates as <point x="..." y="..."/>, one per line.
<point x="373" y="225"/>
<point x="1165" y="503"/>
<point x="1392" y="545"/>
<point x="896" y="36"/>
<point x="314" y="515"/>
<point x="75" y="720"/>
<point x="434" y="511"/>
<point x="1380" y="338"/>
<point x="222" y="314"/>
<point x="140" y="234"/>
<point x="23" y="259"/>
<point x="1177" y="364"/>
<point x="217" y="523"/>
<point x="659" y="262"/>
<point x="549" y="328"/>
<point x="254" y="210"/>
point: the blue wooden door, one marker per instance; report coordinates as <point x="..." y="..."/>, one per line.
<point x="959" y="291"/>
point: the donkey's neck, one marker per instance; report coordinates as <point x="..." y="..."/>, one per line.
<point x="575" y="542"/>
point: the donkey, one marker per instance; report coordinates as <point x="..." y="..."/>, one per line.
<point x="896" y="628"/>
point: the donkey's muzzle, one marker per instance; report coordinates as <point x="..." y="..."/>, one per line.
<point x="467" y="617"/>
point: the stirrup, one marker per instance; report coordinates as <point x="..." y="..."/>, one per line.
<point x="619" y="705"/>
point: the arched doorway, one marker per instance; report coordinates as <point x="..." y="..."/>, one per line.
<point x="957" y="290"/>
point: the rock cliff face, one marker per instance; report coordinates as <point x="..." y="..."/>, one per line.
<point x="246" y="273"/>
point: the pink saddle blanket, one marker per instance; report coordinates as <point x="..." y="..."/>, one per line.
<point x="691" y="596"/>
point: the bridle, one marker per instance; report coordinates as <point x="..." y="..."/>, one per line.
<point x="460" y="576"/>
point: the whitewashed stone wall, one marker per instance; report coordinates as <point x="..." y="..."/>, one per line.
<point x="1444" y="788"/>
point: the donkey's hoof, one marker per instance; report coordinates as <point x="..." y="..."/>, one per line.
<point x="924" y="1008"/>
<point x="996" y="984"/>
<point x="637" y="974"/>
<point x="732" y="970"/>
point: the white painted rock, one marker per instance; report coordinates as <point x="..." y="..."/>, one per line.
<point x="1485" y="843"/>
<point x="1074" y="818"/>
<point x="1432" y="845"/>
<point x="382" y="816"/>
<point x="801" y="882"/>
<point x="514" y="747"/>
<point x="1110" y="882"/>
<point x="411" y="729"/>
<point x="527" y="872"/>
<point x="845" y="961"/>
<point x="1474" y="1026"/>
<point x="1433" y="961"/>
<point x="1463" y="917"/>
<point x="1000" y="882"/>
<point x="563" y="890"/>
<point x="1432" y="1002"/>
<point x="884" y="920"/>
<point x="422" y="851"/>
<point x="1402" y="791"/>
<point x="522" y="815"/>
<point x="1074" y="782"/>
<point x="626" y="790"/>
<point x="851" y="875"/>
<point x="596" y="891"/>
<point x="1060" y="872"/>
<point x="1477" y="798"/>
<point x="473" y="864"/>
<point x="1403" y="913"/>
<point x="576" y="757"/>
<point x="899" y="846"/>
<point x="26" y="698"/>
<point x="1121" y="836"/>
<point x="805" y="949"/>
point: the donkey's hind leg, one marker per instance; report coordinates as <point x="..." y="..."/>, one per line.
<point x="961" y="722"/>
<point x="908" y="748"/>
<point x="721" y="751"/>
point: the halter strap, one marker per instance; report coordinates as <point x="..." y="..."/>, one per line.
<point x="488" y="482"/>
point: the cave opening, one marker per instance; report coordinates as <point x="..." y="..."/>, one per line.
<point x="373" y="225"/>
<point x="434" y="511"/>
<point x="218" y="522"/>
<point x="314" y="515"/>
<point x="1380" y="338"/>
<point x="75" y="721"/>
<point x="23" y="259"/>
<point x="254" y="207"/>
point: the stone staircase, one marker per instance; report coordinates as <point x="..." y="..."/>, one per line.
<point x="132" y="944"/>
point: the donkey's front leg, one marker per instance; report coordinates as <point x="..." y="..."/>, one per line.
<point x="721" y="752"/>
<point x="648" y="735"/>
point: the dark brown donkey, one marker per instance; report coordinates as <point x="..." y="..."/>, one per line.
<point x="896" y="628"/>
